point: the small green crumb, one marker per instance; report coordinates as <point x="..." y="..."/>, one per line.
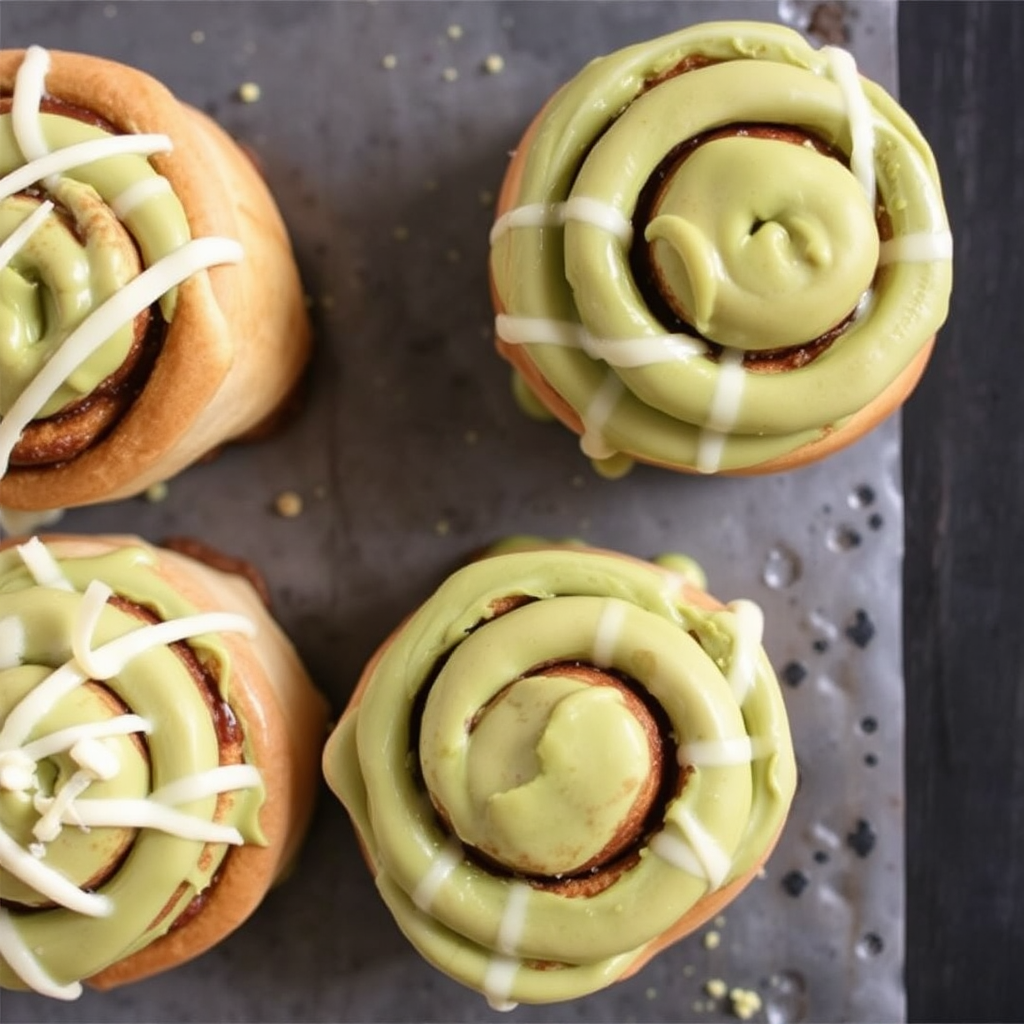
<point x="486" y="197"/>
<point x="442" y="527"/>
<point x="199" y="36"/>
<point x="157" y="492"/>
<point x="249" y="92"/>
<point x="450" y="74"/>
<point x="494" y="64"/>
<point x="400" y="233"/>
<point x="652" y="993"/>
<point x="745" y="1003"/>
<point x="712" y="940"/>
<point x="454" y="31"/>
<point x="716" y="988"/>
<point x="389" y="61"/>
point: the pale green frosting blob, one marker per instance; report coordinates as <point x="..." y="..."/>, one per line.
<point x="183" y="741"/>
<point x="65" y="269"/>
<point x="603" y="135"/>
<point x="585" y="607"/>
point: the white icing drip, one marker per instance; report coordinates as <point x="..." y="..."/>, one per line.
<point x="17" y="771"/>
<point x="222" y="779"/>
<point x="498" y="980"/>
<point x="50" y="883"/>
<point x="714" y="861"/>
<point x="596" y="415"/>
<point x="23" y="232"/>
<point x="95" y="757"/>
<point x="725" y="407"/>
<point x="15" y="521"/>
<point x="628" y="353"/>
<point x="447" y="860"/>
<point x="29" y="84"/>
<point x="122" y="307"/>
<point x="107" y="661"/>
<point x="78" y="155"/>
<point x="513" y="919"/>
<point x="42" y="565"/>
<point x="606" y="636"/>
<point x="12" y="642"/>
<point x="52" y="811"/>
<point x="921" y="247"/>
<point x="127" y="813"/>
<point x="137" y="194"/>
<point x="724" y="752"/>
<point x="64" y="739"/>
<point x="747" y="630"/>
<point x="843" y="69"/>
<point x="23" y="962"/>
<point x="553" y="215"/>
<point x="677" y="852"/>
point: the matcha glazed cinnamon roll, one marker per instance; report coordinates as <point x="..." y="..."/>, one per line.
<point x="565" y="760"/>
<point x="150" y="307"/>
<point x="159" y="752"/>
<point x="719" y="251"/>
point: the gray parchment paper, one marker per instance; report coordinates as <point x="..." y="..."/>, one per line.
<point x="410" y="454"/>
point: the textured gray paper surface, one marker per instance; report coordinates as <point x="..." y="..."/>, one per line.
<point x="410" y="454"/>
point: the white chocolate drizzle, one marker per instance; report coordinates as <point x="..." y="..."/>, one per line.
<point x="12" y="642"/>
<point x="596" y="415"/>
<point x="606" y="635"/>
<point x="725" y="407"/>
<point x="23" y="962"/>
<point x="626" y="353"/>
<point x="23" y="232"/>
<point x="585" y="209"/>
<point x="513" y="919"/>
<point x="843" y="70"/>
<point x="122" y="307"/>
<point x="447" y="860"/>
<point x="137" y="194"/>
<point x="722" y="753"/>
<point x="713" y="861"/>
<point x="42" y="565"/>
<point x="29" y="83"/>
<point x="747" y="626"/>
<point x="920" y="247"/>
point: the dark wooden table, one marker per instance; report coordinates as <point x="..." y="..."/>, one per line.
<point x="962" y="78"/>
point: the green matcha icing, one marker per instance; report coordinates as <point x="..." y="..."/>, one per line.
<point x="549" y="766"/>
<point x="160" y="870"/>
<point x="759" y="243"/>
<point x="76" y="260"/>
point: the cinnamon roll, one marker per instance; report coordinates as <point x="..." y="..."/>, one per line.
<point x="151" y="306"/>
<point x="565" y="760"/>
<point x="159" y="755"/>
<point x="721" y="251"/>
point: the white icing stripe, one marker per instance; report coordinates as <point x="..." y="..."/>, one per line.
<point x="23" y="962"/>
<point x="513" y="919"/>
<point x="498" y="980"/>
<point x="725" y="407"/>
<point x="596" y="415"/>
<point x="628" y="353"/>
<point x="601" y="215"/>
<point x="584" y="209"/>
<point x="49" y="883"/>
<point x="122" y="307"/>
<point x="922" y="247"/>
<point x="748" y="628"/>
<point x="675" y="851"/>
<point x="78" y="155"/>
<point x="723" y="753"/>
<point x="139" y="193"/>
<point x="94" y="600"/>
<point x="12" y="642"/>
<point x="606" y="636"/>
<point x="42" y="565"/>
<point x="843" y="69"/>
<point x="222" y="779"/>
<point x="53" y="812"/>
<point x="23" y="232"/>
<point x="713" y="859"/>
<point x="64" y="739"/>
<point x="94" y="756"/>
<point x="447" y="860"/>
<point x="24" y="715"/>
<point x="15" y="522"/>
<point x="147" y="814"/>
<point x="29" y="84"/>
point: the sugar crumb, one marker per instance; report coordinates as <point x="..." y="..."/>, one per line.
<point x="288" y="504"/>
<point x="689" y="970"/>
<point x="716" y="988"/>
<point x="389" y="61"/>
<point x="442" y="527"/>
<point x="745" y="1003"/>
<point x="450" y="74"/>
<point x="494" y="64"/>
<point x="712" y="940"/>
<point x="651" y="993"/>
<point x="157" y="492"/>
<point x="454" y="31"/>
<point x="199" y="36"/>
<point x="249" y="92"/>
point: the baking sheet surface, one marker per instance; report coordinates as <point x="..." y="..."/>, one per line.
<point x="410" y="454"/>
